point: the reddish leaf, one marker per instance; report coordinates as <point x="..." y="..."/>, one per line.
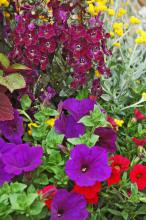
<point x="6" y="109"/>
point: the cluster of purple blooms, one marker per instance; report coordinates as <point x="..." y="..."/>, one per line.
<point x="16" y="157"/>
<point x="86" y="165"/>
<point x="83" y="46"/>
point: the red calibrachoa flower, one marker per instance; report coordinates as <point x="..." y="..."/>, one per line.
<point x="48" y="193"/>
<point x="138" y="115"/>
<point x="90" y="193"/>
<point x="112" y="122"/>
<point x="138" y="176"/>
<point x="114" y="178"/>
<point x="119" y="163"/>
<point x="139" y="142"/>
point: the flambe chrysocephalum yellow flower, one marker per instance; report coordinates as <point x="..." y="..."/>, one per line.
<point x="118" y="28"/>
<point x="4" y="3"/>
<point x="97" y="74"/>
<point x="121" y="12"/>
<point x="118" y="122"/>
<point x="112" y="34"/>
<point x="51" y="122"/>
<point x="111" y="11"/>
<point x="134" y="20"/>
<point x="6" y="14"/>
<point x="142" y="38"/>
<point x="144" y="96"/>
<point x="30" y="125"/>
<point x="116" y="44"/>
<point x="91" y="9"/>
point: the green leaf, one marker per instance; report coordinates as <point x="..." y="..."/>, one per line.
<point x="42" y="179"/>
<point x="115" y="212"/>
<point x="53" y="139"/>
<point x="25" y="102"/>
<point x="13" y="82"/>
<point x="45" y="113"/>
<point x="82" y="94"/>
<point x="4" y="60"/>
<point x="17" y="187"/>
<point x="19" y="66"/>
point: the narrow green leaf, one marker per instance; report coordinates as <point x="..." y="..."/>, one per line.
<point x="4" y="60"/>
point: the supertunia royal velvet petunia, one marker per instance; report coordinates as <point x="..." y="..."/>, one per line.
<point x="107" y="138"/>
<point x="13" y="130"/>
<point x="68" y="205"/>
<point x="69" y="127"/>
<point x="22" y="158"/>
<point x="88" y="165"/>
<point x="78" y="108"/>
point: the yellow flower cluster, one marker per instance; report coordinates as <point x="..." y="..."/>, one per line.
<point x="51" y="122"/>
<point x="118" y="28"/>
<point x="121" y="12"/>
<point x="142" y="38"/>
<point x="4" y="3"/>
<point x="118" y="122"/>
<point x="116" y="44"/>
<point x="30" y="125"/>
<point x="134" y="20"/>
<point x="96" y="6"/>
<point x="144" y="96"/>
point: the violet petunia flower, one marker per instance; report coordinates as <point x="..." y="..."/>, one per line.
<point x="68" y="205"/>
<point x="5" y="147"/>
<point x="22" y="158"/>
<point x="78" y="108"/>
<point x="69" y="127"/>
<point x="4" y="176"/>
<point x="13" y="130"/>
<point x="88" y="165"/>
<point x="107" y="138"/>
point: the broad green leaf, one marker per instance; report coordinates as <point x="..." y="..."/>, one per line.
<point x="25" y="102"/>
<point x="13" y="81"/>
<point x="42" y="179"/>
<point x="4" y="60"/>
<point x="17" y="187"/>
<point x="19" y="66"/>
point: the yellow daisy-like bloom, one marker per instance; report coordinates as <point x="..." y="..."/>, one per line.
<point x="91" y="9"/>
<point x="97" y="74"/>
<point x="112" y="34"/>
<point x="142" y="38"/>
<point x="121" y="12"/>
<point x="51" y="122"/>
<point x="144" y="96"/>
<point x="118" y="28"/>
<point x="4" y="3"/>
<point x="30" y="125"/>
<point x="116" y="44"/>
<point x="119" y="123"/>
<point x="6" y="14"/>
<point x="111" y="11"/>
<point x="134" y="20"/>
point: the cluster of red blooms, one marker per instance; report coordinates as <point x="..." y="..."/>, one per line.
<point x="83" y="46"/>
<point x="119" y="165"/>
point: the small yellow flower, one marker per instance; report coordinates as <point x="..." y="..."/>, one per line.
<point x="134" y="20"/>
<point x="4" y="3"/>
<point x="112" y="34"/>
<point x="116" y="44"/>
<point x="91" y="9"/>
<point x="6" y="14"/>
<point x="118" y="28"/>
<point x="144" y="96"/>
<point x="51" y="122"/>
<point x="142" y="38"/>
<point x="111" y="12"/>
<point x="121" y="12"/>
<point x="30" y="125"/>
<point x="97" y="74"/>
<point x="126" y="25"/>
<point x="118" y="122"/>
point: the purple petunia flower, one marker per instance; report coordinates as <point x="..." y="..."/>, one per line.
<point x="4" y="176"/>
<point x="13" y="130"/>
<point x="78" y="108"/>
<point x="107" y="138"/>
<point x="88" y="165"/>
<point x="22" y="158"/>
<point x="69" y="127"/>
<point x="68" y="205"/>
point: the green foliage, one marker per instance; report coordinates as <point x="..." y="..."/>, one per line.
<point x="25" y="102"/>
<point x="4" y="60"/>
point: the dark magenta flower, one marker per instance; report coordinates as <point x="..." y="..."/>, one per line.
<point x="30" y="38"/>
<point x="46" y="31"/>
<point x="68" y="205"/>
<point x="107" y="138"/>
<point x="22" y="158"/>
<point x="69" y="127"/>
<point x="88" y="165"/>
<point x="13" y="130"/>
<point x="96" y="89"/>
<point x="78" y="108"/>
<point x="48" y="46"/>
<point x="82" y="64"/>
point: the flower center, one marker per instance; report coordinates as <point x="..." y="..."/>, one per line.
<point x="84" y="169"/>
<point x="117" y="167"/>
<point x="139" y="176"/>
<point x="60" y="213"/>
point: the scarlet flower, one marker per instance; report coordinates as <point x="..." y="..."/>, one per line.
<point x="48" y="193"/>
<point x="138" y="176"/>
<point x="114" y="178"/>
<point x="89" y="192"/>
<point x="138" y="115"/>
<point x="139" y="142"/>
<point x="112" y="122"/>
<point x="119" y="163"/>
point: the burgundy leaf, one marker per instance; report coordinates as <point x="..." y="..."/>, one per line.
<point x="6" y="109"/>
